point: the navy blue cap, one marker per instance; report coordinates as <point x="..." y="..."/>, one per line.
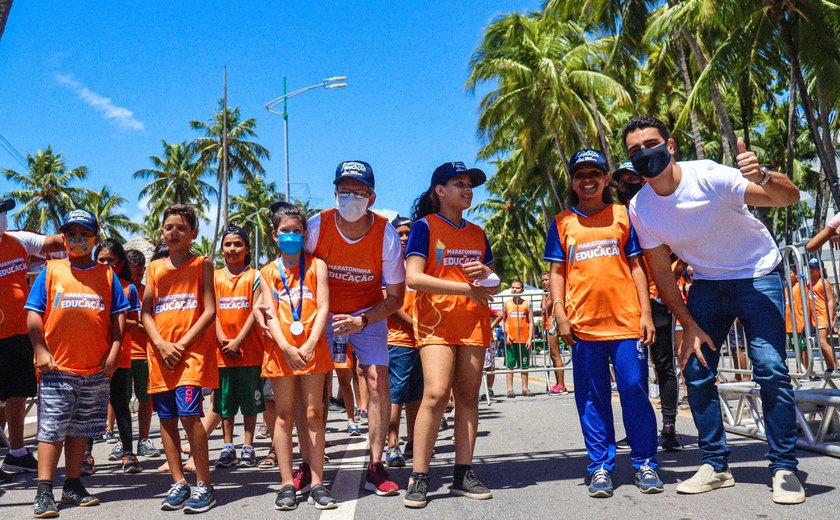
<point x="814" y="262"/>
<point x="238" y="231"/>
<point x="450" y="170"/>
<point x="587" y="156"/>
<point x="82" y="217"/>
<point x="6" y="205"/>
<point x="625" y="167"/>
<point x="399" y="220"/>
<point x="359" y="170"/>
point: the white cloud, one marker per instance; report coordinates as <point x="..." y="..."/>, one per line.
<point x="387" y="213"/>
<point x="123" y="117"/>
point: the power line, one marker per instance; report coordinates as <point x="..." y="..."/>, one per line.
<point x="6" y="145"/>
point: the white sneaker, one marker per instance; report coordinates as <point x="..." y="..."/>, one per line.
<point x="706" y="479"/>
<point x="786" y="488"/>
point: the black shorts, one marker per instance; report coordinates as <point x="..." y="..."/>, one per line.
<point x="17" y="368"/>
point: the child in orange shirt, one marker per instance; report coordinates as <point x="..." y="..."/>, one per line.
<point x="240" y="352"/>
<point x="179" y="307"/>
<point x="76" y="322"/>
<point x="822" y="312"/>
<point x="298" y="359"/>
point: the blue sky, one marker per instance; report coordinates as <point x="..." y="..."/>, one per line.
<point x="104" y="83"/>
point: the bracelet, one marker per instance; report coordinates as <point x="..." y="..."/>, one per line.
<point x="364" y="320"/>
<point x="558" y="300"/>
<point x="767" y="176"/>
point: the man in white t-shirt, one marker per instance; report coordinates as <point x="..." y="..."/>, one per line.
<point x="17" y="370"/>
<point x="699" y="209"/>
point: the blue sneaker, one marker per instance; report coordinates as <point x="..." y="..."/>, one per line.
<point x="227" y="458"/>
<point x="647" y="480"/>
<point x="353" y="430"/>
<point x="203" y="499"/>
<point x="600" y="485"/>
<point x="248" y="458"/>
<point x="175" y="497"/>
<point x="394" y="458"/>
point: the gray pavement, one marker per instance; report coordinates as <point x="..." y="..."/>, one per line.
<point x="529" y="451"/>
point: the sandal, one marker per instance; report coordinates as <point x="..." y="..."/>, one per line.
<point x="269" y="461"/>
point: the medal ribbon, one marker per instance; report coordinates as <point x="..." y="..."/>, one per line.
<point x="282" y="269"/>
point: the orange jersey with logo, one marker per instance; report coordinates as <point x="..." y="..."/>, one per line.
<point x="797" y="308"/>
<point x="274" y="362"/>
<point x="355" y="270"/>
<point x="601" y="300"/>
<point x="819" y="310"/>
<point x="13" y="287"/>
<point x="125" y="350"/>
<point x="177" y="296"/>
<point x="446" y="319"/>
<point x="234" y="301"/>
<point x="401" y="334"/>
<point x="518" y="321"/>
<point x="139" y="338"/>
<point x="77" y="320"/>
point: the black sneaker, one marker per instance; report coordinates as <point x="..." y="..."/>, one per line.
<point x="79" y="496"/>
<point x="415" y="494"/>
<point x="320" y="497"/>
<point x="45" y="506"/>
<point x="469" y="486"/>
<point x="26" y="463"/>
<point x="668" y="438"/>
<point x="5" y="477"/>
<point x="622" y="445"/>
<point x="286" y="499"/>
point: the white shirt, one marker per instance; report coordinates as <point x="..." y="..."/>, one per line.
<point x="706" y="223"/>
<point x="393" y="264"/>
<point x="31" y="242"/>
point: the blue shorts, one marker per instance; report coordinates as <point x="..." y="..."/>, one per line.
<point x="369" y="344"/>
<point x="184" y="401"/>
<point x="405" y="374"/>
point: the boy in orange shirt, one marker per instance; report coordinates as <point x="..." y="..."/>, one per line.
<point x="178" y="309"/>
<point x="518" y="322"/>
<point x="76" y="321"/>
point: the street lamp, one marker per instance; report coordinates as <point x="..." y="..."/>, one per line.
<point x="272" y="106"/>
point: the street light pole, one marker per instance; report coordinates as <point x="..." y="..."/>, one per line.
<point x="329" y="83"/>
<point x="255" y="219"/>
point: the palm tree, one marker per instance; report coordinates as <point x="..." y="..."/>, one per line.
<point x="5" y="7"/>
<point x="244" y="155"/>
<point x="250" y="211"/>
<point x="105" y="204"/>
<point x="46" y="192"/>
<point x="176" y="178"/>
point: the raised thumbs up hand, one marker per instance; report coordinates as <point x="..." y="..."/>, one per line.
<point x="748" y="163"/>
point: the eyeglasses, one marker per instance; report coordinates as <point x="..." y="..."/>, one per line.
<point x="360" y="194"/>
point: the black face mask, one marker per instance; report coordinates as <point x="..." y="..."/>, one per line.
<point x="650" y="162"/>
<point x="628" y="190"/>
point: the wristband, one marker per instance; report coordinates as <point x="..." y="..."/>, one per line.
<point x="767" y="176"/>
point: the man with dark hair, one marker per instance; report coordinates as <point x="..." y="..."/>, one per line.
<point x="699" y="209"/>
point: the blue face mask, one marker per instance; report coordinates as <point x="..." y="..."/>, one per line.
<point x="290" y="243"/>
<point x="650" y="162"/>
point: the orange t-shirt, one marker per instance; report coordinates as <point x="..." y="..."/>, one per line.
<point x="13" y="287"/>
<point x="797" y="307"/>
<point x="446" y="319"/>
<point x="77" y="319"/>
<point x="601" y="299"/>
<point x="274" y="362"/>
<point x="355" y="270"/>
<point x="400" y="334"/>
<point x="139" y="338"/>
<point x="518" y="321"/>
<point x="178" y="303"/>
<point x="234" y="300"/>
<point x="125" y="350"/>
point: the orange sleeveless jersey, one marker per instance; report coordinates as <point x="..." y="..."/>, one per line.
<point x="797" y="308"/>
<point x="77" y="320"/>
<point x="445" y="319"/>
<point x="139" y="338"/>
<point x="177" y="297"/>
<point x="234" y="300"/>
<point x="401" y="334"/>
<point x="518" y="321"/>
<point x="818" y="304"/>
<point x="601" y="299"/>
<point x="14" y="288"/>
<point x="125" y="350"/>
<point x="355" y="270"/>
<point x="274" y="362"/>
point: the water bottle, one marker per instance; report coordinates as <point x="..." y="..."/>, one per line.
<point x="339" y="348"/>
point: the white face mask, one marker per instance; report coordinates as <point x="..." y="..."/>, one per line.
<point x="351" y="207"/>
<point x="3" y="222"/>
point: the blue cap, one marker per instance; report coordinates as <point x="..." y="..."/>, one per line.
<point x="82" y="217"/>
<point x="587" y="156"/>
<point x="400" y="220"/>
<point x="625" y="167"/>
<point x="359" y="170"/>
<point x="814" y="262"/>
<point x="6" y="205"/>
<point x="238" y="231"/>
<point x="450" y="170"/>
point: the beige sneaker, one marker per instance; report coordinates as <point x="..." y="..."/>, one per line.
<point x="786" y="488"/>
<point x="706" y="479"/>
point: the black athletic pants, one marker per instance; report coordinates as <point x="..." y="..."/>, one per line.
<point x="663" y="360"/>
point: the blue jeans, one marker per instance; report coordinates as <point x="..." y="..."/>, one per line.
<point x="759" y="304"/>
<point x="593" y="398"/>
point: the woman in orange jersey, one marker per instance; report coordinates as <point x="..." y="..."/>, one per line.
<point x="298" y="360"/>
<point x="450" y="265"/>
<point x="601" y="305"/>
<point x="822" y="312"/>
<point x="240" y="352"/>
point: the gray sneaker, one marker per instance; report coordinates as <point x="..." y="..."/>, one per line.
<point x="706" y="479"/>
<point x="786" y="488"/>
<point x="648" y="481"/>
<point x="600" y="484"/>
<point x="145" y="448"/>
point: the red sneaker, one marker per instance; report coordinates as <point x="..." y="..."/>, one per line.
<point x="379" y="481"/>
<point x="302" y="478"/>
